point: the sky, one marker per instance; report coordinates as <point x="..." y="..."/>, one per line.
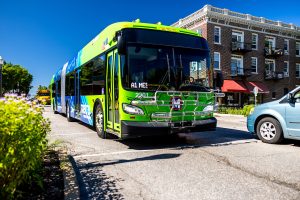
<point x="42" y="35"/>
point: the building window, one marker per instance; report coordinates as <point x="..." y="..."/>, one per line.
<point x="270" y="42"/>
<point x="298" y="49"/>
<point x="217" y="35"/>
<point x="286" y="69"/>
<point x="273" y="95"/>
<point x="254" y="41"/>
<point x="286" y="46"/>
<point x="237" y="65"/>
<point x="217" y="61"/>
<point x="254" y="65"/>
<point x="298" y="70"/>
<point x="238" y="39"/>
<point x="285" y="91"/>
<point x="269" y="67"/>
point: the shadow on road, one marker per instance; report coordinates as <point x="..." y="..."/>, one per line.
<point x="95" y="184"/>
<point x="222" y="136"/>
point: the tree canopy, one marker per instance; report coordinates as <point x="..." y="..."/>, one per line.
<point x="16" y="79"/>
<point x="41" y="87"/>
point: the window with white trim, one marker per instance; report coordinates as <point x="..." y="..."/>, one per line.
<point x="254" y="44"/>
<point x="297" y="70"/>
<point x="254" y="65"/>
<point x="237" y="65"/>
<point x="286" y="46"/>
<point x="237" y="39"/>
<point x="217" y="61"/>
<point x="217" y="35"/>
<point x="270" y="42"/>
<point x="286" y="69"/>
<point x="270" y="66"/>
<point x="298" y="49"/>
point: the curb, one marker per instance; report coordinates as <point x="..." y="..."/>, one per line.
<point x="71" y="187"/>
<point x="229" y="115"/>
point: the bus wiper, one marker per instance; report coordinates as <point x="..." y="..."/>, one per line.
<point x="166" y="74"/>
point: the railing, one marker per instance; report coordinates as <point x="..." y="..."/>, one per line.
<point x="240" y="47"/>
<point x="239" y="71"/>
<point x="273" y="52"/>
<point x="214" y="10"/>
<point x="273" y="75"/>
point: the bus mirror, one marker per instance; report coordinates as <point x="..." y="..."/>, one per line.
<point x="121" y="45"/>
<point x="218" y="79"/>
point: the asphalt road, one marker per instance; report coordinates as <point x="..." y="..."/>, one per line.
<point x="226" y="164"/>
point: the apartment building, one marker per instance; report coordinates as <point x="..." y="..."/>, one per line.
<point x="250" y="51"/>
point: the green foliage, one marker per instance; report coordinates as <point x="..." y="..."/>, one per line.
<point x="236" y="111"/>
<point x="16" y="79"/>
<point x="23" y="131"/>
<point x="41" y="87"/>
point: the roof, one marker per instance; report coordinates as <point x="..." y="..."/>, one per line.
<point x="104" y="41"/>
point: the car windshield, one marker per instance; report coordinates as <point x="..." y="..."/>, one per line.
<point x="165" y="68"/>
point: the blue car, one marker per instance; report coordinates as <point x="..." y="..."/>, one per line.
<point x="276" y="120"/>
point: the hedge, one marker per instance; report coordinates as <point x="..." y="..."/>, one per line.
<point x="23" y="131"/>
<point x="236" y="111"/>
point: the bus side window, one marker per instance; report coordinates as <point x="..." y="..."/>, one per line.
<point x="99" y="75"/>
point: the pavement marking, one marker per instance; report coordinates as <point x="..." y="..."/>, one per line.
<point x="236" y="142"/>
<point x="167" y="148"/>
<point x="114" y="153"/>
<point x="66" y="134"/>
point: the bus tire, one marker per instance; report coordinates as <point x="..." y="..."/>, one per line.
<point x="68" y="113"/>
<point x="99" y="122"/>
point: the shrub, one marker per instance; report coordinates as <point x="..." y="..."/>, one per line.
<point x="23" y="141"/>
<point x="236" y="111"/>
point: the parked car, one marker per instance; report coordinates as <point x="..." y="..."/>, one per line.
<point x="276" y="120"/>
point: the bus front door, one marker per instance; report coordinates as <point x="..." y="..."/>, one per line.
<point x="112" y="97"/>
<point x="77" y="95"/>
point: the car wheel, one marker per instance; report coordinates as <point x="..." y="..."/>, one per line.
<point x="269" y="130"/>
<point x="99" y="122"/>
<point x="68" y="112"/>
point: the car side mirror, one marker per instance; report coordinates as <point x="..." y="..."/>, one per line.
<point x="290" y="97"/>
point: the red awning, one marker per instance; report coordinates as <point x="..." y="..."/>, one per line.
<point x="234" y="86"/>
<point x="262" y="88"/>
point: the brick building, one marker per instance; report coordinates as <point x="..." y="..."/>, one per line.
<point x="250" y="51"/>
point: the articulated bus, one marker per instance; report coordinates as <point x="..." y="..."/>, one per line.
<point x="138" y="79"/>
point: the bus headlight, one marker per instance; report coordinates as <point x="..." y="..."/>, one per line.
<point x="133" y="110"/>
<point x="209" y="108"/>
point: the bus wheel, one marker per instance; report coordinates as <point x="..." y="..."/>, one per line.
<point x="68" y="112"/>
<point x="99" y="122"/>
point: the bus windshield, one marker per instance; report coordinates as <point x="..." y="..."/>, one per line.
<point x="155" y="67"/>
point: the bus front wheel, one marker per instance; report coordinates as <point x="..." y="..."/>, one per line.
<point x="99" y="122"/>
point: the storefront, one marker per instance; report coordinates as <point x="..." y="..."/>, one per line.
<point x="240" y="93"/>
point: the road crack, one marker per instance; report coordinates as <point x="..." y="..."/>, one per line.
<point x="226" y="161"/>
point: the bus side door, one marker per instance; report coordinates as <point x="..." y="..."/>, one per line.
<point x="112" y="88"/>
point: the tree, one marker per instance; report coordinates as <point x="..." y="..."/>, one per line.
<point x="42" y="88"/>
<point x="16" y="79"/>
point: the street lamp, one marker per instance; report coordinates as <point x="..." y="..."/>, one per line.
<point x="1" y="64"/>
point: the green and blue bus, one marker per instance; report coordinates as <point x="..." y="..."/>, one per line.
<point x="137" y="79"/>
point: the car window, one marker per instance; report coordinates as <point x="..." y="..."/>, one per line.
<point x="297" y="96"/>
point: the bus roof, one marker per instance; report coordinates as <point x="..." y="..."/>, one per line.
<point x="104" y="40"/>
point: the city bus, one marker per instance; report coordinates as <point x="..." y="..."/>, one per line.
<point x="138" y="79"/>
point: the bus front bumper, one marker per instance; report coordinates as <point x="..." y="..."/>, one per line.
<point x="138" y="129"/>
